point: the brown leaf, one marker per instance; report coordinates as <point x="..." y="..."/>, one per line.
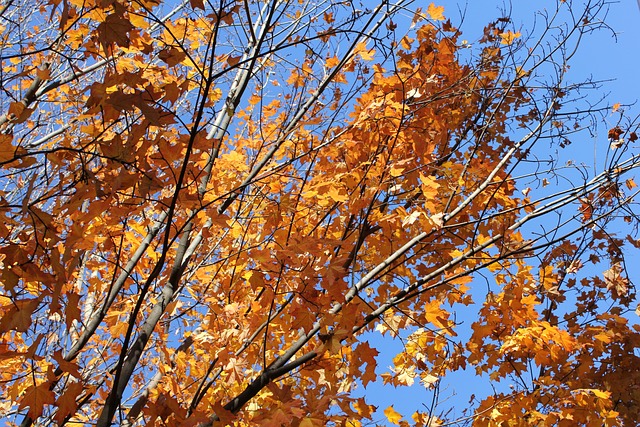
<point x="616" y="282"/>
<point x="36" y="397"/>
<point x="197" y="4"/>
<point x="18" y="316"/>
<point x="115" y="29"/>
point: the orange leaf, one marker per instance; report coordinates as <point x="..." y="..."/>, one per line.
<point x="436" y="12"/>
<point x="36" y="397"/>
<point x="18" y="112"/>
<point x="630" y="183"/>
<point x="7" y="150"/>
<point x="366" y="54"/>
<point x="67" y="403"/>
<point x="233" y="60"/>
<point x="66" y="366"/>
<point x="18" y="317"/>
<point x="332" y="62"/>
<point x="226" y="417"/>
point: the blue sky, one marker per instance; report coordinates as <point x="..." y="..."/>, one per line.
<point x="609" y="55"/>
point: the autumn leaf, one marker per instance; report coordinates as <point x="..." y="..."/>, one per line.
<point x="197" y="4"/>
<point x="616" y="282"/>
<point x="509" y="37"/>
<point x="615" y="133"/>
<point x="17" y="315"/>
<point x="206" y="210"/>
<point x="115" y="29"/>
<point x="7" y="150"/>
<point x="428" y="380"/>
<point x="332" y="62"/>
<point x="67" y="402"/>
<point x="311" y="422"/>
<point x="36" y="398"/>
<point x="18" y="112"/>
<point x="392" y="415"/>
<point x="364" y="52"/>
<point x="67" y="366"/>
<point x="630" y="184"/>
<point x="435" y="12"/>
<point x="172" y="56"/>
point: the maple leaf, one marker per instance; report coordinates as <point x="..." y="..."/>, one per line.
<point x="197" y="4"/>
<point x="172" y="56"/>
<point x="200" y="220"/>
<point x="615" y="133"/>
<point x="36" y="398"/>
<point x="507" y="38"/>
<point x="67" y="402"/>
<point x="18" y="112"/>
<point x="7" y="150"/>
<point x="428" y="380"/>
<point x="630" y="183"/>
<point x="429" y="186"/>
<point x="18" y="315"/>
<point x="115" y="29"/>
<point x="615" y="281"/>
<point x="365" y="53"/>
<point x="392" y="415"/>
<point x="435" y="12"/>
<point x="66" y="366"/>
<point x="311" y="422"/>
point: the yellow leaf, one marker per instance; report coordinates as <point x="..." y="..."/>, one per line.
<point x="435" y="315"/>
<point x="295" y="79"/>
<point x="603" y="336"/>
<point x="601" y="394"/>
<point x="396" y="171"/>
<point x="630" y="183"/>
<point x="311" y="422"/>
<point x="366" y="54"/>
<point x="406" y="42"/>
<point x="337" y="194"/>
<point x="428" y="380"/>
<point x="429" y="187"/>
<point x="436" y="12"/>
<point x="615" y="107"/>
<point x="509" y="37"/>
<point x="393" y="416"/>
<point x="547" y="278"/>
<point x="138" y="21"/>
<point x="332" y="62"/>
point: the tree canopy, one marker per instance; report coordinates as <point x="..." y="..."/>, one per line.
<point x="209" y="208"/>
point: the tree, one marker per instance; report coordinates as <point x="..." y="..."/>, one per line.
<point x="206" y="204"/>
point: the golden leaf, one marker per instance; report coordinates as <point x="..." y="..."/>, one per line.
<point x="392" y="415"/>
<point x="509" y="37"/>
<point x="435" y="12"/>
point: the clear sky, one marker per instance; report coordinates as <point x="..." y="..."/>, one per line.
<point x="608" y="55"/>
